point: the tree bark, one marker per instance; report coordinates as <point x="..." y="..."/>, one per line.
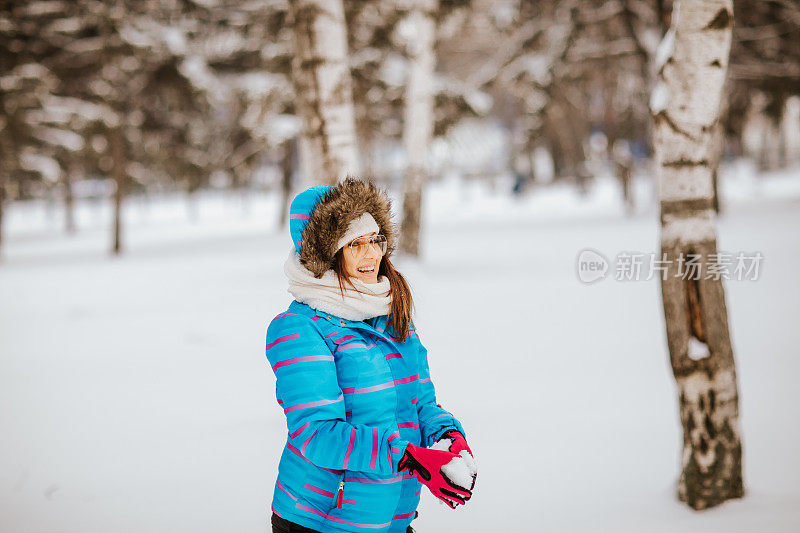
<point x="118" y="153"/>
<point x="418" y="120"/>
<point x="321" y="76"/>
<point x="287" y="169"/>
<point x="686" y="112"/>
<point x="2" y="204"/>
<point x="717" y="150"/>
<point x="69" y="202"/>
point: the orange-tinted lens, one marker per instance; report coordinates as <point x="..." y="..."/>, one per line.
<point x="360" y="246"/>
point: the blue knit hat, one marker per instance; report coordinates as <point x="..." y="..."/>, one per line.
<point x="300" y="211"/>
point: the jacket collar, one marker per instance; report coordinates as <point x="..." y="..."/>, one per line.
<point x="307" y="310"/>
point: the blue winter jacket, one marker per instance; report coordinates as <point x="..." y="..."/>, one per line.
<point x="354" y="397"/>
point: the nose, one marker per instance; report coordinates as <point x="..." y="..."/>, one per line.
<point x="373" y="251"/>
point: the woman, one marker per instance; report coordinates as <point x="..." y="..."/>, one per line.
<point x="352" y="377"/>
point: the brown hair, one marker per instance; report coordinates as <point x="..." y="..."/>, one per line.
<point x="402" y="302"/>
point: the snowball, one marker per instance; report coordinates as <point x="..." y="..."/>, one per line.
<point x="461" y="470"/>
<point x="458" y="472"/>
<point x="442" y="444"/>
<point x="470" y="462"/>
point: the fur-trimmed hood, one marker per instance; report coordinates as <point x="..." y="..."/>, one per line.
<point x="319" y="218"/>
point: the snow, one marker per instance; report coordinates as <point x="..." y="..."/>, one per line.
<point x="38" y="9"/>
<point x="175" y="40"/>
<point x="223" y="45"/>
<point x="697" y="349"/>
<point x="277" y="129"/>
<point x="697" y="384"/>
<point x="136" y="37"/>
<point x="665" y="50"/>
<point x="650" y="38"/>
<point x="407" y="30"/>
<point x="69" y="140"/>
<point x="537" y="65"/>
<point x="28" y="71"/>
<point x="197" y="71"/>
<point x="47" y="167"/>
<point x="659" y="98"/>
<point x="257" y="84"/>
<point x="462" y="469"/>
<point x="135" y="394"/>
<point x="479" y="101"/>
<point x="87" y="45"/>
<point x="699" y="228"/>
<point x="206" y="3"/>
<point x="394" y="70"/>
<point x="67" y="25"/>
<point x="470" y="463"/>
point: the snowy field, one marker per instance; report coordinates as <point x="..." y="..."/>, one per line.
<point x="135" y="395"/>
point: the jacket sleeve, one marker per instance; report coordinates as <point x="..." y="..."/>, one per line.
<point x="433" y="419"/>
<point x="308" y="391"/>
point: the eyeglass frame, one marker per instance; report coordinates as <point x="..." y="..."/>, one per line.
<point x="371" y="241"/>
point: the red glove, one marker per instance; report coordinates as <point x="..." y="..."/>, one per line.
<point x="426" y="465"/>
<point x="459" y="443"/>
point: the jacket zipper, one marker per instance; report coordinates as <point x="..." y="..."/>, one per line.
<point x="340" y="495"/>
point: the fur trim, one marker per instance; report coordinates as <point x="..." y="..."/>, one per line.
<point x="332" y="216"/>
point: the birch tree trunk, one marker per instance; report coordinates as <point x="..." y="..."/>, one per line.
<point x="321" y="76"/>
<point x="418" y="119"/>
<point x="685" y="105"/>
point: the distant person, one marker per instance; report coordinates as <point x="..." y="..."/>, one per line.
<point x="352" y="378"/>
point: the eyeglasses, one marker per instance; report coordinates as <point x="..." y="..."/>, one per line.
<point x="360" y="246"/>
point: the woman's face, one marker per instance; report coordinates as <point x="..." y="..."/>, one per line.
<point x="364" y="267"/>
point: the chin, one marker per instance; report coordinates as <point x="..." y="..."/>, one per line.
<point x="369" y="280"/>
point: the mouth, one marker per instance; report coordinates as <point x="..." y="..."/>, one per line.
<point x="366" y="269"/>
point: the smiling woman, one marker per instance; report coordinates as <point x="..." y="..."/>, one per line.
<point x="364" y="429"/>
<point x="361" y="256"/>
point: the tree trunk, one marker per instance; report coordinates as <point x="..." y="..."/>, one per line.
<point x="769" y="158"/>
<point x="118" y="153"/>
<point x="287" y="169"/>
<point x="2" y="204"/>
<point x="718" y="146"/>
<point x="790" y="123"/>
<point x="566" y="132"/>
<point x="418" y="120"/>
<point x="622" y="165"/>
<point x="69" y="202"/>
<point x="686" y="104"/>
<point x="321" y="76"/>
<point x="717" y="149"/>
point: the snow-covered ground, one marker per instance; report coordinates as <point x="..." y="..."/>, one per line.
<point x="134" y="394"/>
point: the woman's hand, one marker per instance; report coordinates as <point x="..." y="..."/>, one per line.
<point x="464" y="472"/>
<point x="459" y="443"/>
<point x="429" y="467"/>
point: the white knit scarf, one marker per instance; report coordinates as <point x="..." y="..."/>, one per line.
<point x="370" y="300"/>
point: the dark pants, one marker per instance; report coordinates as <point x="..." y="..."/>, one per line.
<point x="281" y="525"/>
